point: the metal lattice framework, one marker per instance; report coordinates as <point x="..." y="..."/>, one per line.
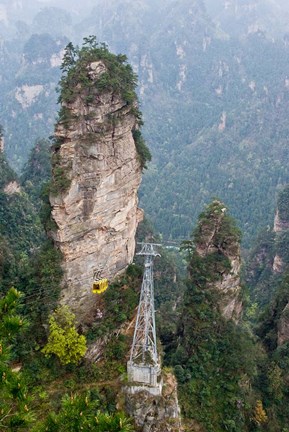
<point x="144" y="346"/>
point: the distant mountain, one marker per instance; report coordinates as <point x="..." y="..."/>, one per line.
<point x="216" y="114"/>
<point x="213" y="87"/>
<point x="239" y="18"/>
<point x="29" y="74"/>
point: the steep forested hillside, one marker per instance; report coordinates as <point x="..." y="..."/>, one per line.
<point x="29" y="74"/>
<point x="15" y="206"/>
<point x="213" y="87"/>
<point x="231" y="375"/>
<point x="214" y="136"/>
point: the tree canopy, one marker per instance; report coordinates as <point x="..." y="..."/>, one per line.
<point x="64" y="341"/>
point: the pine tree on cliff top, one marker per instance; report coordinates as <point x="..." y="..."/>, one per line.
<point x="78" y="80"/>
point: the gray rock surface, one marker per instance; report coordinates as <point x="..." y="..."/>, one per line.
<point x="156" y="413"/>
<point x="228" y="285"/>
<point x="283" y="326"/>
<point x="98" y="215"/>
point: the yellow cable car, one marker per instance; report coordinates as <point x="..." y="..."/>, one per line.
<point x="99" y="286"/>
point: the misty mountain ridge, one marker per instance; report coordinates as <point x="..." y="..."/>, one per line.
<point x="213" y="87"/>
<point x="205" y="85"/>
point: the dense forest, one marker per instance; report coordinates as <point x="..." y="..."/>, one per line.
<point x="215" y="119"/>
<point x="213" y="95"/>
<point x="232" y="373"/>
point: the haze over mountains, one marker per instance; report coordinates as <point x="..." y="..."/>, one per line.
<point x="213" y="89"/>
<point x="214" y="82"/>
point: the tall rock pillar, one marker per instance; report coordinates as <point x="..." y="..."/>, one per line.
<point x="96" y="174"/>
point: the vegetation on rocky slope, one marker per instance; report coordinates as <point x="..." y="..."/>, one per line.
<point x="216" y="113"/>
<point x="118" y="79"/>
<point x="228" y="378"/>
<point x="212" y="356"/>
<point x="232" y="376"/>
<point x="28" y="397"/>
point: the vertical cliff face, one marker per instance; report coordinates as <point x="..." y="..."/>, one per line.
<point x="281" y="230"/>
<point x="216" y="259"/>
<point x="281" y="259"/>
<point x="96" y="174"/>
<point x="267" y="272"/>
<point x="283" y="327"/>
<point x="1" y="142"/>
<point x="270" y="257"/>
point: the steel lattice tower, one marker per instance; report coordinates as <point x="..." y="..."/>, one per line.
<point x="143" y="365"/>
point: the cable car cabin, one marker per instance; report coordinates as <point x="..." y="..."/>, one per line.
<point x="99" y="286"/>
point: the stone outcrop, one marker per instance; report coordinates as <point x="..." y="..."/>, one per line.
<point x="156" y="413"/>
<point x="1" y="144"/>
<point x="267" y="271"/>
<point x="279" y="227"/>
<point x="280" y="224"/>
<point x="97" y="215"/>
<point x="215" y="236"/>
<point x="283" y="326"/>
<point x="270" y="259"/>
<point x="277" y="264"/>
<point x="27" y="95"/>
<point x="12" y="188"/>
<point x="280" y="264"/>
